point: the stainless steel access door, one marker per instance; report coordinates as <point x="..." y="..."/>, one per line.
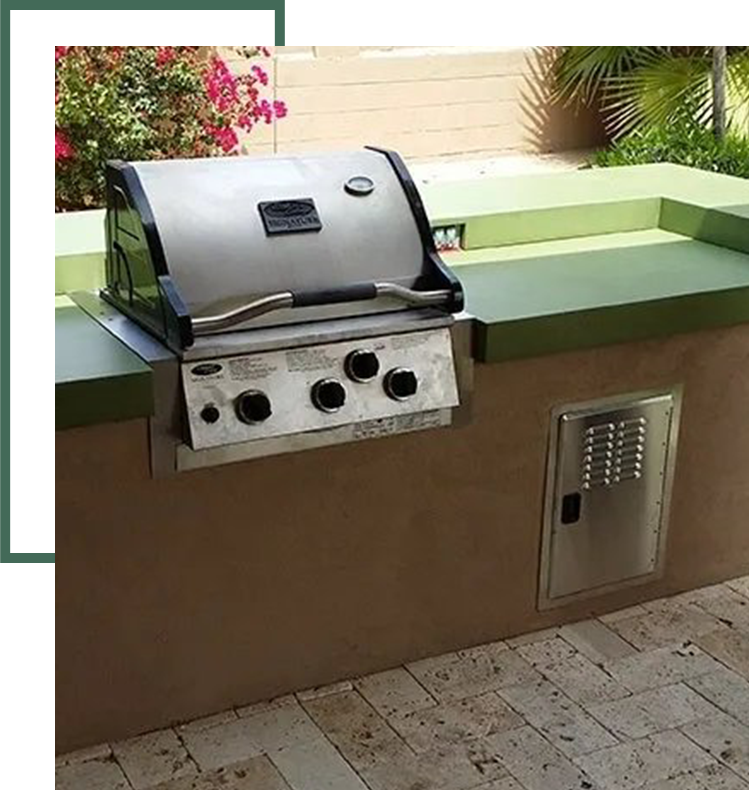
<point x="608" y="486"/>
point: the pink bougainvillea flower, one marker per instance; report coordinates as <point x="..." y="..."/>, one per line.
<point x="60" y="52"/>
<point x="251" y="90"/>
<point x="227" y="139"/>
<point x="165" y="55"/>
<point x="63" y="149"/>
<point x="224" y="136"/>
<point x="221" y="85"/>
<point x="264" y="110"/>
<point x="280" y="109"/>
<point x="261" y="74"/>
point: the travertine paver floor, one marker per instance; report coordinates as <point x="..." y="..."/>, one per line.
<point x="655" y="697"/>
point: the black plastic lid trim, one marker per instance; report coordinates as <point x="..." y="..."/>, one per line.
<point x="433" y="260"/>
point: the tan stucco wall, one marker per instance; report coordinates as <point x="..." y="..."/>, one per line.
<point x="178" y="598"/>
<point x="423" y="101"/>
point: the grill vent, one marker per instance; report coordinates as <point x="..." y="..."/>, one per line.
<point x="613" y="452"/>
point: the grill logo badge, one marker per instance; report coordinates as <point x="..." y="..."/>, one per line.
<point x="289" y="216"/>
<point x="206" y="369"/>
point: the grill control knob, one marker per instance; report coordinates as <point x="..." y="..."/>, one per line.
<point x="253" y="406"/>
<point x="328" y="395"/>
<point x="362" y="365"/>
<point x="210" y="414"/>
<point x="401" y="383"/>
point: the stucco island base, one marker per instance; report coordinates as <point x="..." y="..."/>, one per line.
<point x="182" y="597"/>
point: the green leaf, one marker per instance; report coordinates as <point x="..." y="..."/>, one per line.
<point x="737" y="92"/>
<point x="661" y="88"/>
<point x="638" y="87"/>
<point x="581" y="73"/>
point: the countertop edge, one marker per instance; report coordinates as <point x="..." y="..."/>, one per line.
<point x="503" y="341"/>
<point x="119" y="387"/>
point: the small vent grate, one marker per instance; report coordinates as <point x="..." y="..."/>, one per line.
<point x="613" y="452"/>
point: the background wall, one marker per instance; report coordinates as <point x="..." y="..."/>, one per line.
<point x="423" y="101"/>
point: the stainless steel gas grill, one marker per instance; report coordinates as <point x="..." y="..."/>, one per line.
<point x="296" y="302"/>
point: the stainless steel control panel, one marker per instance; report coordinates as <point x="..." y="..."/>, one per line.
<point x="277" y="393"/>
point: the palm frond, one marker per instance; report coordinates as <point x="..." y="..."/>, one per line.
<point x="659" y="89"/>
<point x="737" y="92"/>
<point x="580" y="73"/>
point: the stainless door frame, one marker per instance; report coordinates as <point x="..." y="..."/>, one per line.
<point x="552" y="457"/>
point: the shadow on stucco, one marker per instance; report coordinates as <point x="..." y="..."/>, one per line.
<point x="550" y="126"/>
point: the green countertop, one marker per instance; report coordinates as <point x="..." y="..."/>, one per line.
<point x="574" y="260"/>
<point x="97" y="379"/>
<point x="555" y="296"/>
<point x="550" y="263"/>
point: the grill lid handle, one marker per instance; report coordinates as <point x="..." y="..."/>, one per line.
<point x="349" y="293"/>
<point x="286" y="299"/>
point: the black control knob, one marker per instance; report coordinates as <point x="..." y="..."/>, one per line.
<point x="328" y="395"/>
<point x="210" y="414"/>
<point x="253" y="406"/>
<point x="362" y="365"/>
<point x="401" y="383"/>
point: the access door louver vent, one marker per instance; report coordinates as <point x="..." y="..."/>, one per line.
<point x="608" y="485"/>
<point x="613" y="452"/>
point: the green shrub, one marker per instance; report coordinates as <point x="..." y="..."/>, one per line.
<point x="681" y="143"/>
<point x="142" y="103"/>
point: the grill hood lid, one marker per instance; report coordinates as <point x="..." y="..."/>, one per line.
<point x="203" y="237"/>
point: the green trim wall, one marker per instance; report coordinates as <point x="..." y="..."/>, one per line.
<point x="79" y="251"/>
<point x="724" y="227"/>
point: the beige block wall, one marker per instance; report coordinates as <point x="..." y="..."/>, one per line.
<point x="423" y="101"/>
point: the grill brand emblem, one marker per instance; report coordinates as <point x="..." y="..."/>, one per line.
<point x="289" y="216"/>
<point x="206" y="369"/>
